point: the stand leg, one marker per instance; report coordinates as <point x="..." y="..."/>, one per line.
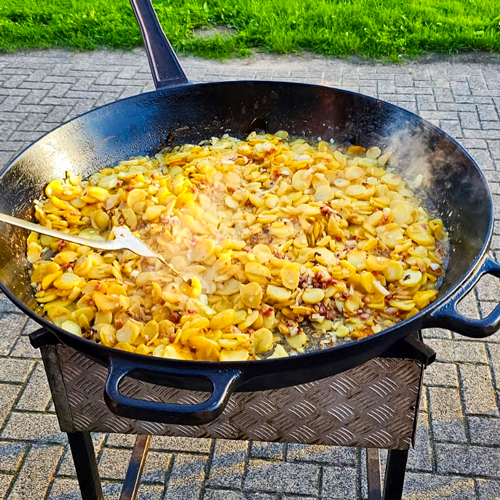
<point x="395" y="474"/>
<point x="374" y="474"/>
<point x="135" y="466"/>
<point x="83" y="453"/>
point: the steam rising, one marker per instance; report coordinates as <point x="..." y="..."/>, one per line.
<point x="413" y="159"/>
<point x="449" y="185"/>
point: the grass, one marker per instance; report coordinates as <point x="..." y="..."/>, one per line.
<point x="380" y="29"/>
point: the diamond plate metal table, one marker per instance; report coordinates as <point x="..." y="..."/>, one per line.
<point x="373" y="405"/>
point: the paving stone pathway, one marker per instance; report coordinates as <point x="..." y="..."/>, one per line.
<point x="457" y="454"/>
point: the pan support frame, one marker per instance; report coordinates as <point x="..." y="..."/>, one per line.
<point x="388" y="486"/>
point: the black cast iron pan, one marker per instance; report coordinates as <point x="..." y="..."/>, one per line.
<point x="141" y="124"/>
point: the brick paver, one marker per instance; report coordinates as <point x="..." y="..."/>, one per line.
<point x="457" y="454"/>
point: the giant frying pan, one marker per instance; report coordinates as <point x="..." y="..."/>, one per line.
<point x="139" y="125"/>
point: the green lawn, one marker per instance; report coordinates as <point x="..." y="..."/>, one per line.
<point x="367" y="28"/>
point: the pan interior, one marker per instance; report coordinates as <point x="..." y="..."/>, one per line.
<point x="147" y="123"/>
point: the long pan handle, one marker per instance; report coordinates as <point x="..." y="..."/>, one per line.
<point x="165" y="67"/>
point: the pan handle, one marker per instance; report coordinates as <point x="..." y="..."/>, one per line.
<point x="165" y="66"/>
<point x="223" y="384"/>
<point x="448" y="317"/>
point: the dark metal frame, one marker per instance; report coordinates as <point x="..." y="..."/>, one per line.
<point x="388" y="486"/>
<point x="91" y="489"/>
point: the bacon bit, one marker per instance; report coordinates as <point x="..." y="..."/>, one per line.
<point x="345" y="295"/>
<point x="328" y="315"/>
<point x="268" y="312"/>
<point x="98" y="286"/>
<point x="192" y="311"/>
<point x="331" y="282"/>
<point x="172" y="338"/>
<point x="175" y="317"/>
<point x="129" y="188"/>
<point x="119" y="323"/>
<point x="279" y="255"/>
<point x="61" y="245"/>
<point x="338" y="238"/>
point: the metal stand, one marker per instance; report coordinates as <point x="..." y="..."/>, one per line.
<point x="84" y="457"/>
<point x="85" y="461"/>
<point x="372" y="406"/>
<point x="373" y="474"/>
<point x="395" y="474"/>
<point x="135" y="466"/>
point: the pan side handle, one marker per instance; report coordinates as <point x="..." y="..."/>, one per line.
<point x="223" y="383"/>
<point x="165" y="67"/>
<point x="447" y="316"/>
